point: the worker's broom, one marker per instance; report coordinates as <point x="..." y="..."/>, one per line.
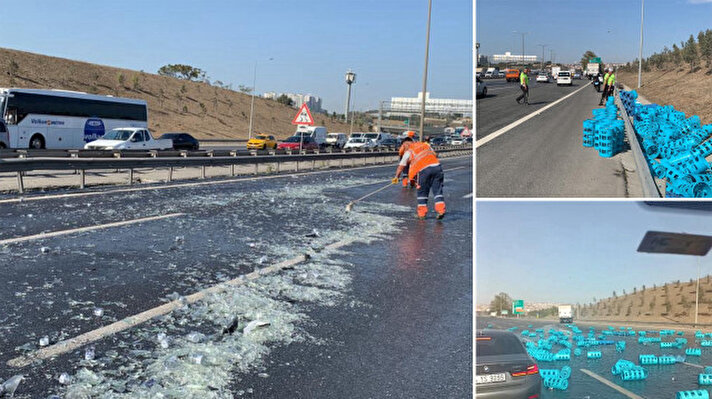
<point x="351" y="204"/>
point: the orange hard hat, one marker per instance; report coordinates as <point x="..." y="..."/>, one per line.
<point x="410" y="133"/>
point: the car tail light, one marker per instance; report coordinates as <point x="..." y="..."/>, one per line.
<point x="535" y="396"/>
<point x="533" y="369"/>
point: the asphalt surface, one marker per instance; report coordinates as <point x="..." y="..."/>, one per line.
<point x="387" y="316"/>
<point x="663" y="381"/>
<point x="544" y="156"/>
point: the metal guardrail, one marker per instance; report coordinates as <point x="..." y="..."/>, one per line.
<point x="170" y="159"/>
<point x="650" y="189"/>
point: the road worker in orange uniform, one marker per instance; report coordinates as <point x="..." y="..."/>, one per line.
<point x="410" y="134"/>
<point x="425" y="169"/>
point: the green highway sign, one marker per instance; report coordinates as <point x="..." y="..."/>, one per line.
<point x="518" y="306"/>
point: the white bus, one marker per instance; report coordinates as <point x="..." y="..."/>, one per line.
<point x="65" y="119"/>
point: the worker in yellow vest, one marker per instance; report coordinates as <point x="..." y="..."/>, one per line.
<point x="524" y="85"/>
<point x="425" y="169"/>
<point x="606" y="78"/>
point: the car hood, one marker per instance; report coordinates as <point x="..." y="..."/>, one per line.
<point x="105" y="143"/>
<point x="256" y="141"/>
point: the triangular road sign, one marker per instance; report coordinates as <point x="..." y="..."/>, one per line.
<point x="303" y="117"/>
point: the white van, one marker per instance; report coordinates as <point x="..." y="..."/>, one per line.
<point x="377" y="138"/>
<point x="318" y="133"/>
<point x="337" y="140"/>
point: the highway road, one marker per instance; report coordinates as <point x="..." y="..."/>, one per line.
<point x="543" y="156"/>
<point x="663" y="380"/>
<point x="263" y="288"/>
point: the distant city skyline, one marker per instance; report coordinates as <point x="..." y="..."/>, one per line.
<point x="611" y="28"/>
<point x="297" y="47"/>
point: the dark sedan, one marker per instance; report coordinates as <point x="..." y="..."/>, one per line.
<point x="503" y="368"/>
<point x="182" y="141"/>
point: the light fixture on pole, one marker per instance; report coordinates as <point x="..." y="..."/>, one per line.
<point x="252" y="104"/>
<point x="680" y="244"/>
<point x="350" y="78"/>
<point x="425" y="72"/>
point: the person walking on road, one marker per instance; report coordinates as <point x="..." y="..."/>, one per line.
<point x="425" y="169"/>
<point x="604" y="94"/>
<point x="524" y="85"/>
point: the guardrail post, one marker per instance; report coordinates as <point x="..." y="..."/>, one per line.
<point x="82" y="179"/>
<point x="170" y="174"/>
<point x="257" y="167"/>
<point x="297" y="169"/>
<point x="277" y="166"/>
<point x="313" y="164"/>
<point x="20" y="184"/>
<point x="232" y="170"/>
<point x="131" y="176"/>
<point x="202" y="172"/>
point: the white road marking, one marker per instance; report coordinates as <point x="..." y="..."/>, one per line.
<point x="612" y="385"/>
<point x="516" y="123"/>
<point x="88" y="228"/>
<point x="132" y="321"/>
<point x="467" y="195"/>
<point x="193" y="184"/>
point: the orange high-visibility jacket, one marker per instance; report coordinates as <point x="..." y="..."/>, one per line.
<point x="422" y="156"/>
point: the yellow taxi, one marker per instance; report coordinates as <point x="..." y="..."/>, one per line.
<point x="262" y="142"/>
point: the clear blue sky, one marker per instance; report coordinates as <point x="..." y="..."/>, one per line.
<point x="610" y="28"/>
<point x="313" y="42"/>
<point x="574" y="251"/>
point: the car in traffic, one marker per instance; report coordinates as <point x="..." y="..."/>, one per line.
<point x="468" y="140"/>
<point x="336" y="140"/>
<point x="457" y="141"/>
<point x="182" y="141"/>
<point x="294" y="143"/>
<point x="359" y="142"/>
<point x="262" y="142"/>
<point x="564" y="78"/>
<point x="542" y="78"/>
<point x="577" y="75"/>
<point x="512" y="75"/>
<point x="481" y="88"/>
<point x="389" y="142"/>
<point x="318" y="133"/>
<point x="438" y="141"/>
<point x="500" y="74"/>
<point x="129" y="138"/>
<point x="503" y="368"/>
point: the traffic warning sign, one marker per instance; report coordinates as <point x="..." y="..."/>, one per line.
<point x="303" y="117"/>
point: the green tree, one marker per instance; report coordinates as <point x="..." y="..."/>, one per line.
<point x="283" y="99"/>
<point x="135" y="82"/>
<point x="586" y="57"/>
<point x="182" y="71"/>
<point x="121" y="79"/>
<point x="244" y="89"/>
<point x="676" y="54"/>
<point x="690" y="54"/>
<point x="501" y="302"/>
<point x="12" y="69"/>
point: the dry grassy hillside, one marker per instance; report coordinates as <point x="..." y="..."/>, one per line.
<point x="173" y="104"/>
<point x="689" y="92"/>
<point x="670" y="302"/>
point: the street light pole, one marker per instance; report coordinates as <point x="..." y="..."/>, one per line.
<point x="697" y="291"/>
<point x="640" y="51"/>
<point x="425" y="72"/>
<point x="252" y="104"/>
<point x="543" y="46"/>
<point x="350" y="78"/>
<point x="523" y="34"/>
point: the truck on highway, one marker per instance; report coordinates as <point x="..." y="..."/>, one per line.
<point x="129" y="138"/>
<point x="492" y="72"/>
<point x="566" y="314"/>
<point x="593" y="69"/>
<point x="555" y="72"/>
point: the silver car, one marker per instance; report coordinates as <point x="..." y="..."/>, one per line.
<point x="503" y="368"/>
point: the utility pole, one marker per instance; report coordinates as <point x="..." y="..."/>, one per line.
<point x="380" y="114"/>
<point x="543" y="46"/>
<point x="425" y="72"/>
<point x="640" y="57"/>
<point x="523" y="34"/>
<point x="350" y="78"/>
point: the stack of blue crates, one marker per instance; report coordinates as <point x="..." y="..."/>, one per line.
<point x="605" y="132"/>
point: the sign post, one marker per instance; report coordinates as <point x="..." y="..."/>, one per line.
<point x="680" y="244"/>
<point x="518" y="307"/>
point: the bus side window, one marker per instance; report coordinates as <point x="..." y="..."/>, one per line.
<point x="3" y="129"/>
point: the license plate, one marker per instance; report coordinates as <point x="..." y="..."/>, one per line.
<point x="489" y="378"/>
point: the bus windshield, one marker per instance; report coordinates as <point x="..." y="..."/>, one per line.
<point x="117" y="134"/>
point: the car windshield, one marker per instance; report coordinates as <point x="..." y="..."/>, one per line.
<point x="357" y="140"/>
<point x="356" y="135"/>
<point x="261" y="137"/>
<point x="305" y="134"/>
<point x="498" y="345"/>
<point x="294" y="139"/>
<point x="371" y="135"/>
<point x="169" y="136"/>
<point x="333" y="136"/>
<point x="118" y="134"/>
<point x="564" y="74"/>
